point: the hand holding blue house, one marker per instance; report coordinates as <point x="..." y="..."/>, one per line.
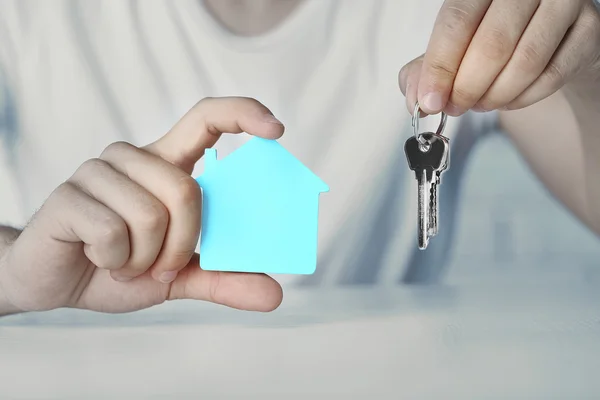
<point x="260" y="211"/>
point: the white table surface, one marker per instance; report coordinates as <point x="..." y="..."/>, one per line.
<point x="500" y="341"/>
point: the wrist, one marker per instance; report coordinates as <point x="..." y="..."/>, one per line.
<point x="583" y="97"/>
<point x="7" y="237"/>
<point x="585" y="88"/>
<point x="6" y="308"/>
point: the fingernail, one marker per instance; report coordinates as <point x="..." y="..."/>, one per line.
<point x="271" y="119"/>
<point x="168" y="276"/>
<point x="433" y="102"/>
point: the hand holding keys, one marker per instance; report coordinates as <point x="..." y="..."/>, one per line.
<point x="428" y="155"/>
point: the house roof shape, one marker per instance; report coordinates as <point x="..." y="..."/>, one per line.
<point x="260" y="157"/>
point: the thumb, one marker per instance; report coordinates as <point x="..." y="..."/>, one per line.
<point x="243" y="291"/>
<point x="201" y="127"/>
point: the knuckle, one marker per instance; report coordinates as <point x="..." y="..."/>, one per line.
<point x="91" y="166"/>
<point x="495" y="45"/>
<point x="115" y="149"/>
<point x="203" y="102"/>
<point x="590" y="23"/>
<point x="555" y="75"/>
<point x="461" y="96"/>
<point x="458" y="18"/>
<point x="528" y="59"/>
<point x="64" y="190"/>
<point x="111" y="230"/>
<point x="152" y="217"/>
<point x="442" y="71"/>
<point x="187" y="193"/>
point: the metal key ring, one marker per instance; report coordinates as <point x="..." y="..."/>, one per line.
<point x="415" y="124"/>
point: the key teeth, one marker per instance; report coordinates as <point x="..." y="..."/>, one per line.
<point x="432" y="220"/>
<point x="433" y="205"/>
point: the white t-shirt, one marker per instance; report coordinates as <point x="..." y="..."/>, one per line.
<point x="79" y="75"/>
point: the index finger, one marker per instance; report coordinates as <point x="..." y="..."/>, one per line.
<point x="455" y="25"/>
<point x="201" y="127"/>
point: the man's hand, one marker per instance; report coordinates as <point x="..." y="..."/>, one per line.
<point x="120" y="234"/>
<point x="504" y="54"/>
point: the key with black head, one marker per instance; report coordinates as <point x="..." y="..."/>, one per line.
<point x="426" y="158"/>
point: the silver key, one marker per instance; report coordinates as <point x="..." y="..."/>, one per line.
<point x="428" y="155"/>
<point x="434" y="201"/>
<point x="425" y="159"/>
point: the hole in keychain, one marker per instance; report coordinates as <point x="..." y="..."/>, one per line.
<point x="424" y="145"/>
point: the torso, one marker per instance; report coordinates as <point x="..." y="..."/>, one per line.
<point x="91" y="73"/>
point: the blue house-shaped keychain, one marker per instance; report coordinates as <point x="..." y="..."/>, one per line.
<point x="260" y="211"/>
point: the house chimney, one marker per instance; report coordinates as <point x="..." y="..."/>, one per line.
<point x="210" y="159"/>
